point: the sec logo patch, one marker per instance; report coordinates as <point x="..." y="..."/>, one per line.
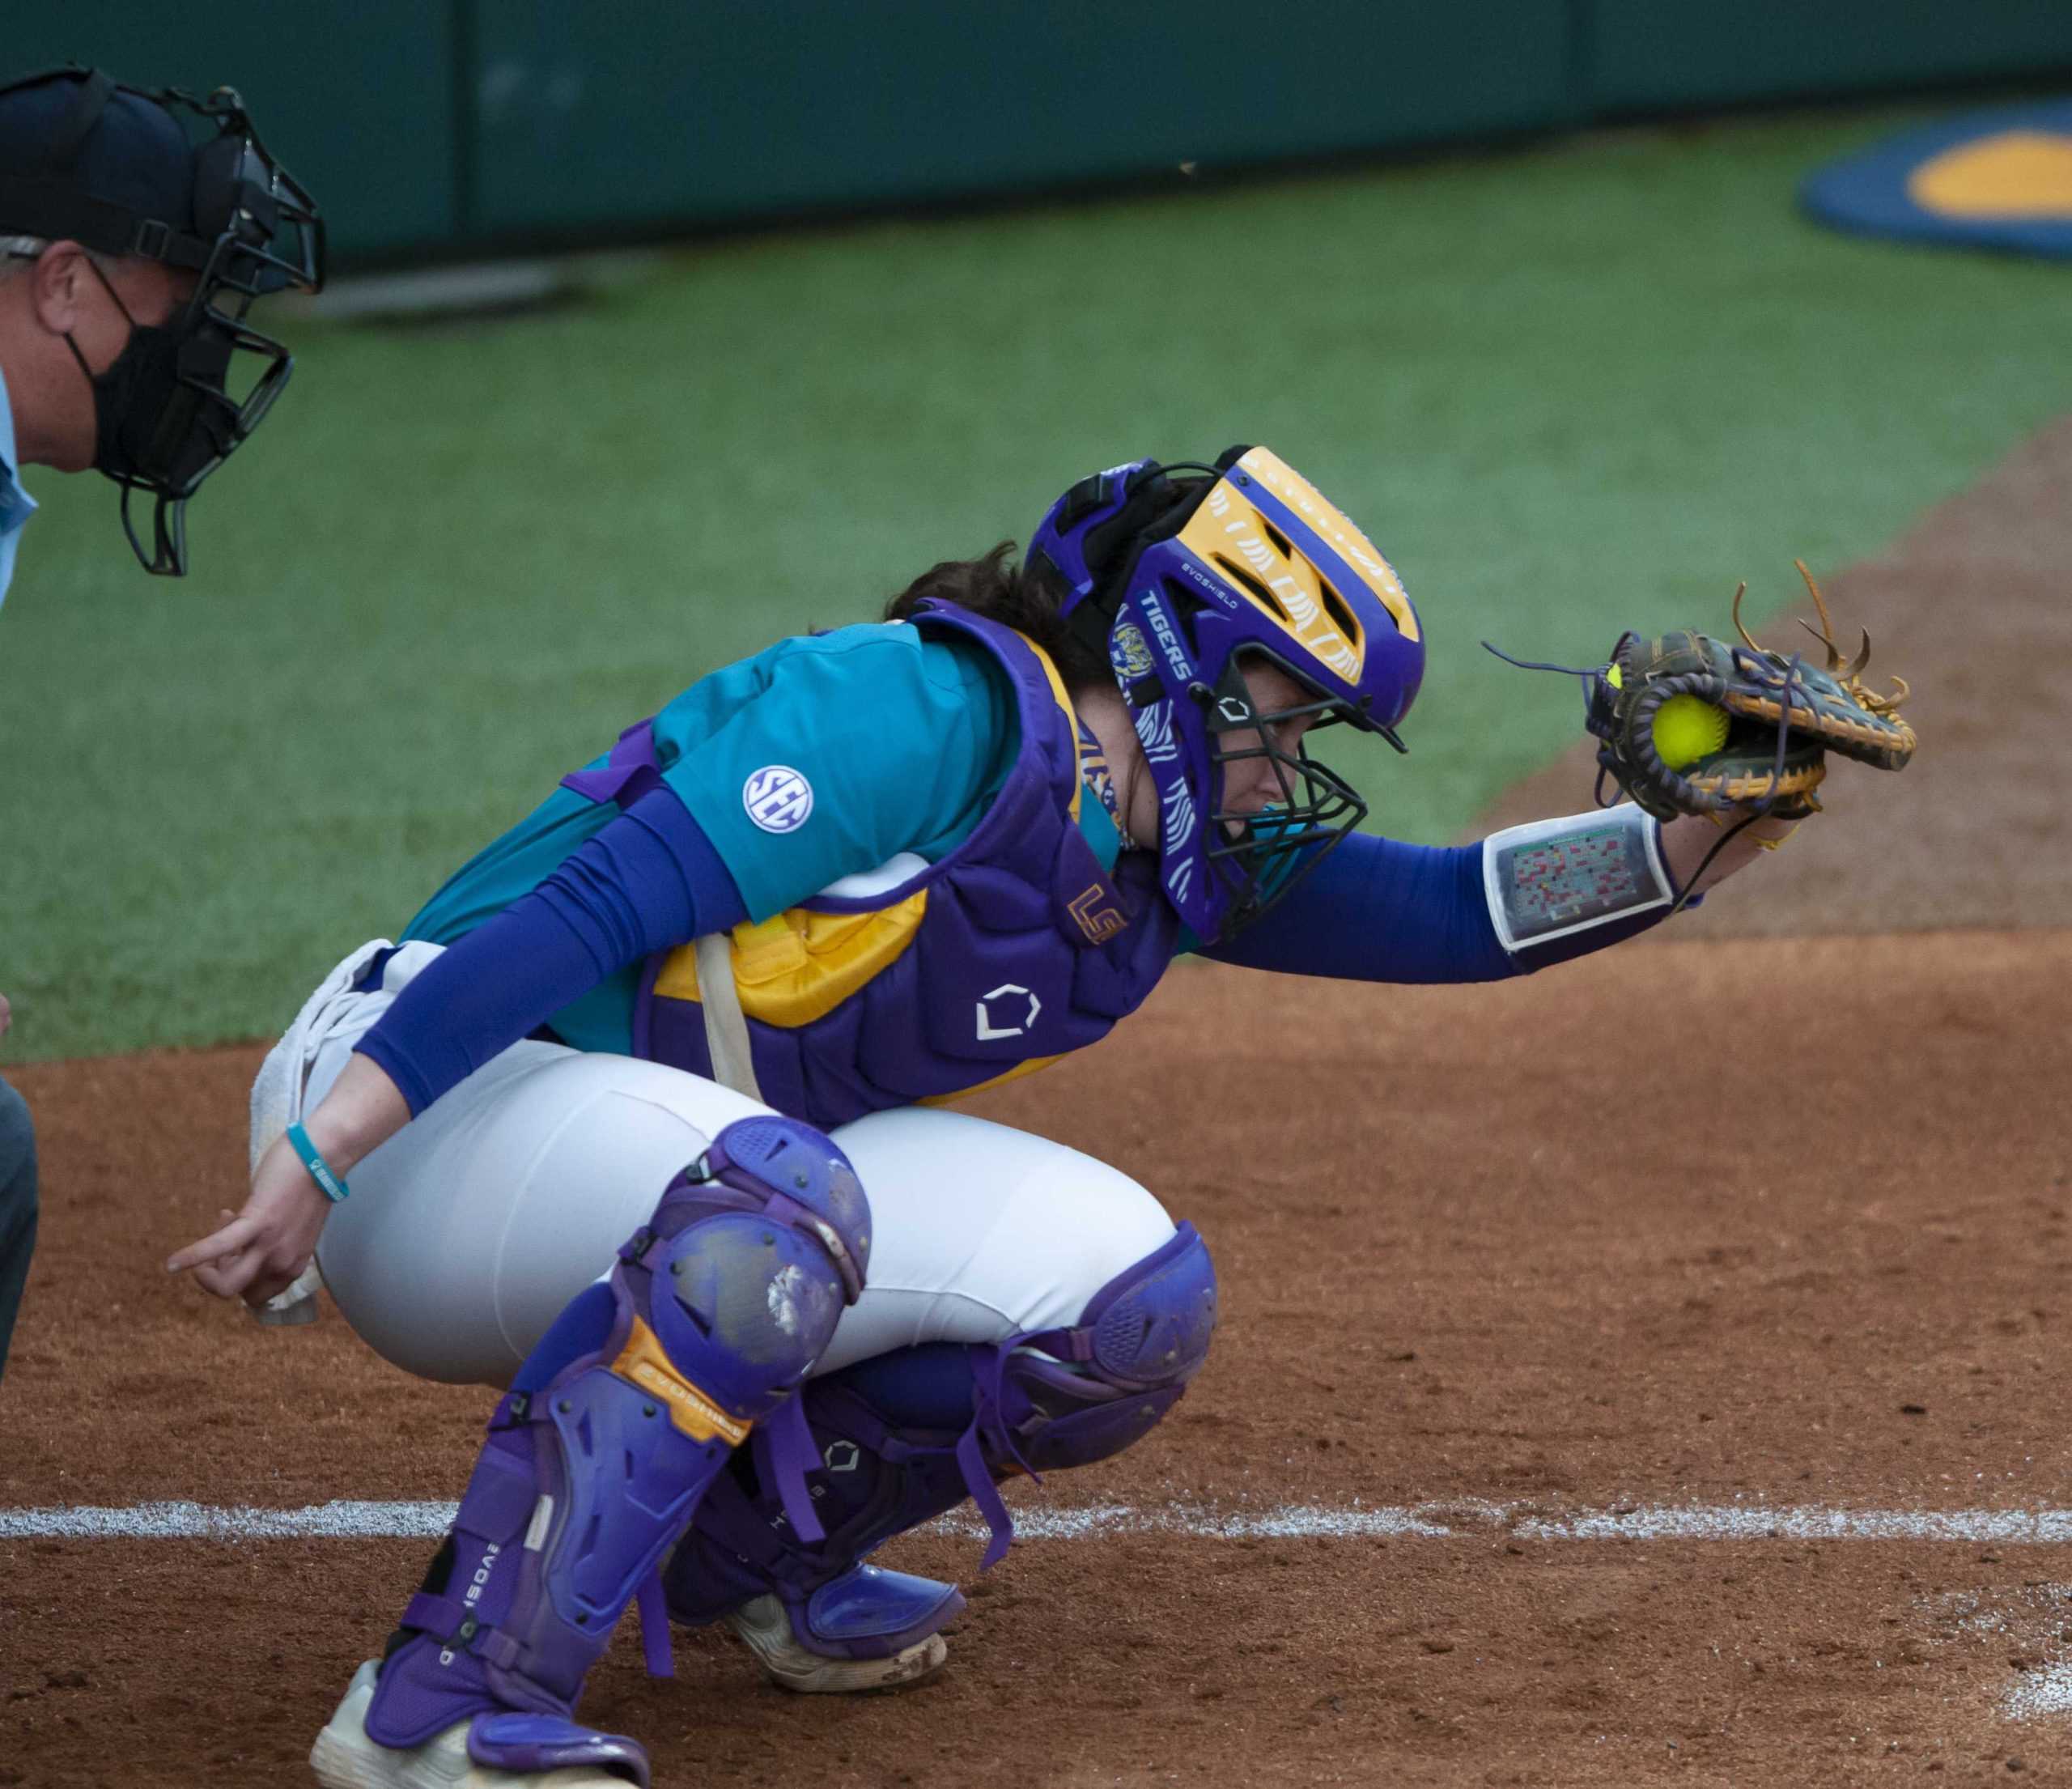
<point x="778" y="799"/>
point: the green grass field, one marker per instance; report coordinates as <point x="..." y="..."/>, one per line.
<point x="1568" y="389"/>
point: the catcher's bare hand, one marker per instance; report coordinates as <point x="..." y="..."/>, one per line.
<point x="259" y="1251"/>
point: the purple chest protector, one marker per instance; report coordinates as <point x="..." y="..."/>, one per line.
<point x="1025" y="948"/>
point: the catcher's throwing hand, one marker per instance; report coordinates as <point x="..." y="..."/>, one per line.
<point x="259" y="1251"/>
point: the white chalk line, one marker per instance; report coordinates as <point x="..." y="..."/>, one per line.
<point x="346" y="1520"/>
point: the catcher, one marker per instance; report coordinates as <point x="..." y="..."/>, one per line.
<point x="639" y="1123"/>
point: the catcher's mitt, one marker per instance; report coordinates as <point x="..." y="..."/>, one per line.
<point x="1753" y="729"/>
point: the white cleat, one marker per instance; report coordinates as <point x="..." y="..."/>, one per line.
<point x="344" y="1757"/>
<point x="766" y="1630"/>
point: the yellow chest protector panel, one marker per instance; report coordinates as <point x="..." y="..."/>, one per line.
<point x="799" y="965"/>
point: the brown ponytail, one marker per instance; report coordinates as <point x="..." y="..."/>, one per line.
<point x="1012" y="595"/>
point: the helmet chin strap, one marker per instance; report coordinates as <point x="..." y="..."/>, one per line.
<point x="1128" y="778"/>
<point x="1120" y="777"/>
<point x="1122" y="809"/>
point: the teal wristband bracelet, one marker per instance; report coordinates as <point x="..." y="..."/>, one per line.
<point x="319" y="1170"/>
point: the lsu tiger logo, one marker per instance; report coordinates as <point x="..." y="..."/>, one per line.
<point x="1129" y="652"/>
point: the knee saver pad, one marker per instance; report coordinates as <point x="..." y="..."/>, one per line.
<point x="1151" y="1324"/>
<point x="626" y="1412"/>
<point x="1039" y="1400"/>
<point x="1094" y="1389"/>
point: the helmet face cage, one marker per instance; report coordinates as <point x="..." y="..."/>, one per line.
<point x="1189" y="582"/>
<point x="1261" y="856"/>
<point x="255" y="231"/>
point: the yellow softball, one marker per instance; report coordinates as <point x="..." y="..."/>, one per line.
<point x="1686" y="729"/>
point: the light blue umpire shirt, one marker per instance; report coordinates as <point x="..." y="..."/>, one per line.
<point x="16" y="505"/>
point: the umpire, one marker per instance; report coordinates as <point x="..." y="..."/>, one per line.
<point x="137" y="229"/>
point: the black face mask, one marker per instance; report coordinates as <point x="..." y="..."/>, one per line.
<point x="164" y="420"/>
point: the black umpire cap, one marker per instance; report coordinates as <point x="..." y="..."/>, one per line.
<point x="106" y="175"/>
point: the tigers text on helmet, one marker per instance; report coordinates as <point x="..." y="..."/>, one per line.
<point x="1186" y="581"/>
<point x="86" y="160"/>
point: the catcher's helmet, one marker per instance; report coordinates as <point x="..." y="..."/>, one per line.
<point x="1184" y="575"/>
<point x="85" y="159"/>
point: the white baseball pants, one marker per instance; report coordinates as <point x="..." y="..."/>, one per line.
<point x="467" y="1232"/>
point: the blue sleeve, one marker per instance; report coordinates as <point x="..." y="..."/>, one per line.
<point x="1378" y="910"/>
<point x="648" y="880"/>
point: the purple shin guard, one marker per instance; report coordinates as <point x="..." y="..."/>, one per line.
<point x="895" y="1450"/>
<point x="1056" y="1398"/>
<point x="615" y="1426"/>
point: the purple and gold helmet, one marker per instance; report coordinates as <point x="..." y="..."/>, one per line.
<point x="1187" y="574"/>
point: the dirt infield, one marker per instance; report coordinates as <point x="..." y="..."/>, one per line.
<point x="1771" y="1224"/>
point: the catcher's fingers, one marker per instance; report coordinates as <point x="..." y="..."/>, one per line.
<point x="229" y="1276"/>
<point x="226" y="1278"/>
<point x="240" y="1260"/>
<point x="232" y="1237"/>
<point x="275" y="1276"/>
<point x="254" y="1274"/>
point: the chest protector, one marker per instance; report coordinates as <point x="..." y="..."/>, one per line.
<point x="1012" y="951"/>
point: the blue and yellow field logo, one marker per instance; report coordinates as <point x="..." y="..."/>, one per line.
<point x="1993" y="180"/>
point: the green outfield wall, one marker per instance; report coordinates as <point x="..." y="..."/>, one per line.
<point x="617" y="114"/>
<point x="456" y="126"/>
<point x="360" y="100"/>
<point x="1646" y="56"/>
